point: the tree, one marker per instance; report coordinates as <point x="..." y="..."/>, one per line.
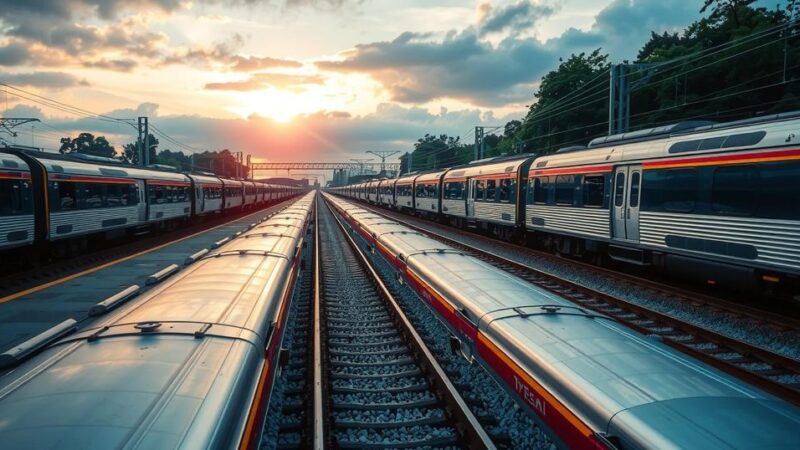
<point x="728" y="9"/>
<point x="88" y="144"/>
<point x="130" y="151"/>
<point x="552" y="122"/>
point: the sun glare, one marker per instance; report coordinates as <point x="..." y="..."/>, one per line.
<point x="280" y="105"/>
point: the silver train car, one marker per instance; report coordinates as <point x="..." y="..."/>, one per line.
<point x="16" y="203"/>
<point x="707" y="201"/>
<point x="61" y="200"/>
<point x="592" y="382"/>
<point x="189" y="365"/>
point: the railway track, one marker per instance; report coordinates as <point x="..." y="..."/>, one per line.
<point x="772" y="372"/>
<point x="376" y="383"/>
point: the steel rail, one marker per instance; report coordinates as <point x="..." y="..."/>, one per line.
<point x="320" y="412"/>
<point x="472" y="433"/>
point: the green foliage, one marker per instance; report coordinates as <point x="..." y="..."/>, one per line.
<point x="88" y="144"/>
<point x="433" y="152"/>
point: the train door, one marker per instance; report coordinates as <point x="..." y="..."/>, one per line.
<point x="144" y="205"/>
<point x="470" y="196"/>
<point x="625" y="207"/>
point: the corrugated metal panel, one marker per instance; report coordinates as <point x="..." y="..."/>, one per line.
<point x="90" y="220"/>
<point x="427" y="204"/>
<point x="454" y="208"/>
<point x="593" y="222"/>
<point x="11" y="224"/>
<point x="405" y="201"/>
<point x="777" y="241"/>
<point x="212" y="205"/>
<point x="169" y="210"/>
<point x="505" y="213"/>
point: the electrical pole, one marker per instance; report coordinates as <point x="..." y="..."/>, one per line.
<point x="382" y="154"/>
<point x="478" y="143"/>
<point x="619" y="97"/>
<point x="143" y="141"/>
<point x="619" y="100"/>
<point x="249" y="170"/>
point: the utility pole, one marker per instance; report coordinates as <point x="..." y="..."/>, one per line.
<point x="143" y="141"/>
<point x="383" y="154"/>
<point x="619" y="100"/>
<point x="478" y="143"/>
<point x="619" y="97"/>
<point x="249" y="170"/>
<point x="410" y="161"/>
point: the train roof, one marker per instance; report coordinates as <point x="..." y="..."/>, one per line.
<point x="205" y="178"/>
<point x="228" y="181"/>
<point x="495" y="165"/>
<point x="431" y="176"/>
<point x="709" y="139"/>
<point x="67" y="164"/>
<point x="10" y="161"/>
<point x="408" y="178"/>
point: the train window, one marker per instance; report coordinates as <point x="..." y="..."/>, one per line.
<point x="454" y="190"/>
<point x="541" y="185"/>
<point x="744" y="139"/>
<point x="780" y="196"/>
<point x="673" y="190"/>
<point x="735" y="140"/>
<point x="480" y="189"/>
<point x="15" y="197"/>
<point x="732" y="191"/>
<point x="506" y="190"/>
<point x="491" y="190"/>
<point x="420" y="191"/>
<point x="593" y="190"/>
<point x="633" y="202"/>
<point x="61" y="196"/>
<point x="619" y="189"/>
<point x="565" y="189"/>
<point x="90" y="195"/>
<point x="712" y="143"/>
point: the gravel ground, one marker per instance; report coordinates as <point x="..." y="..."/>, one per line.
<point x="509" y="425"/>
<point x="378" y="397"/>
<point x="784" y="342"/>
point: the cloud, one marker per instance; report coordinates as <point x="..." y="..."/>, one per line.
<point x="50" y="80"/>
<point x="63" y="33"/>
<point x="417" y="68"/>
<point x="12" y="54"/>
<point x="623" y="23"/>
<point x="24" y="111"/>
<point x="460" y="66"/>
<point x="514" y="17"/>
<point x="251" y="63"/>
<point x="265" y="80"/>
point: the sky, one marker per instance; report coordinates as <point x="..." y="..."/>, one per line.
<point x="300" y="80"/>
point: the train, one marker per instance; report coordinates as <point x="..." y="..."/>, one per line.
<point x="714" y="202"/>
<point x="58" y="201"/>
<point x="593" y="383"/>
<point x="188" y="365"/>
